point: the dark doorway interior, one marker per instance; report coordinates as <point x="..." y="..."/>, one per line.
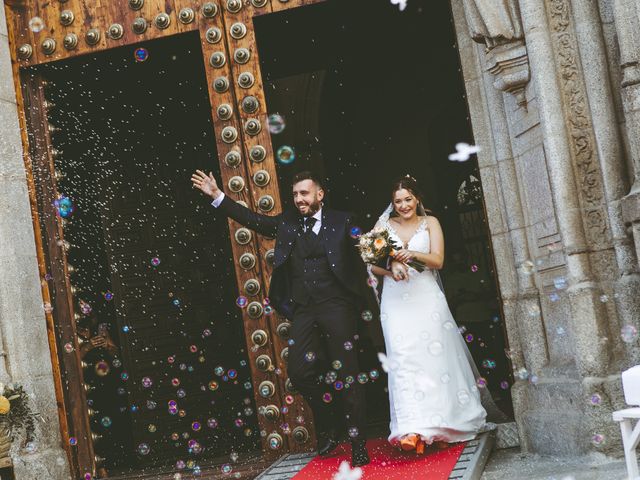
<point x="367" y="93"/>
<point x="169" y="380"/>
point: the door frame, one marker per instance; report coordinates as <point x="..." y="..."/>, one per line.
<point x="236" y="133"/>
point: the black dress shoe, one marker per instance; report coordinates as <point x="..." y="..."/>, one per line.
<point x="327" y="443"/>
<point x="359" y="455"/>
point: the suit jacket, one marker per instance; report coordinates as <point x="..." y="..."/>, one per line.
<point x="335" y="232"/>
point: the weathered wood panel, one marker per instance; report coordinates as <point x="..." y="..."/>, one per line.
<point x="241" y="40"/>
<point x="221" y="98"/>
<point x="279" y="5"/>
<point x="53" y="254"/>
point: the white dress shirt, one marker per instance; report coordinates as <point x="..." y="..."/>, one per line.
<point x="318" y="215"/>
<point x="318" y="224"/>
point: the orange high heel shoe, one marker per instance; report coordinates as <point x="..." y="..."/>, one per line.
<point x="409" y="442"/>
<point x="420" y="447"/>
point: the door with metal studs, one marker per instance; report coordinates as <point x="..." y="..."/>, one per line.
<point x="63" y="31"/>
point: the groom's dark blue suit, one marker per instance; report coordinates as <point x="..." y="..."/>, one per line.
<point x="335" y="234"/>
<point x="318" y="282"/>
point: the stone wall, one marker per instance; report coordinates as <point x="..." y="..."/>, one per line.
<point x="543" y="82"/>
<point x="25" y="355"/>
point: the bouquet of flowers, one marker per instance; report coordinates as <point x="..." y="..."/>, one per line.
<point x="16" y="411"/>
<point x="377" y="245"/>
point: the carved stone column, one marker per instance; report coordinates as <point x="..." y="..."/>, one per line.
<point x="627" y="22"/>
<point x="497" y="25"/>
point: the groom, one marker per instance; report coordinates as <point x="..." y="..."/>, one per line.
<point x="318" y="282"/>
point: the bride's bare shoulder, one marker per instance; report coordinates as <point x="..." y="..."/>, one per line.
<point x="432" y="221"/>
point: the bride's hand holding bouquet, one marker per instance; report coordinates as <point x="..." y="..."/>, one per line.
<point x="377" y="246"/>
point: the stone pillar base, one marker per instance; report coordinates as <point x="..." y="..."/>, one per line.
<point x="49" y="463"/>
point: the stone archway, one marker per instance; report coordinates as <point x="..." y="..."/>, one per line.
<point x="553" y="174"/>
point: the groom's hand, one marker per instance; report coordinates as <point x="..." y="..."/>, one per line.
<point x="206" y="184"/>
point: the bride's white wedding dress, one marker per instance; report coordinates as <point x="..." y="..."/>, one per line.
<point x="432" y="389"/>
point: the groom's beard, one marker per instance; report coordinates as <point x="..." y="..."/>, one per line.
<point x="312" y="208"/>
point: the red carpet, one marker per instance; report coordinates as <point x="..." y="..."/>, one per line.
<point x="387" y="463"/>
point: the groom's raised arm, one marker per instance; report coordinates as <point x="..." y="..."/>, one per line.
<point x="263" y="224"/>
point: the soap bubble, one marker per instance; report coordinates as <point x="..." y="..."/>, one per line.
<point x="30" y="447"/>
<point x="286" y="155"/>
<point x="276" y="123"/>
<point x="595" y="399"/>
<point x="597" y="439"/>
<point x="528" y="267"/>
<point x="155" y="261"/>
<point x="367" y="316"/>
<point x="140" y="54"/>
<point x="629" y="333"/>
<point x="64" y="206"/>
<point x="560" y="283"/>
<point x="144" y="449"/>
<point x="463" y="397"/>
<point x="36" y="24"/>
<point x="435" y="348"/>
<point x="330" y="377"/>
<point x="355" y="232"/>
<point x="106" y="422"/>
<point x="533" y="310"/>
<point x="85" y="308"/>
<point x="488" y="363"/>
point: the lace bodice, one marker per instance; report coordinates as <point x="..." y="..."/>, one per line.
<point x="419" y="241"/>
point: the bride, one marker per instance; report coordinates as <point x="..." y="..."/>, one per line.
<point x="433" y="394"/>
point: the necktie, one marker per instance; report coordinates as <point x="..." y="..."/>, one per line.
<point x="309" y="222"/>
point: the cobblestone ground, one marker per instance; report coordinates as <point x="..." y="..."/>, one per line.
<point x="510" y="464"/>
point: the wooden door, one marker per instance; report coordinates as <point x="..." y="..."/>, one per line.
<point x="56" y="32"/>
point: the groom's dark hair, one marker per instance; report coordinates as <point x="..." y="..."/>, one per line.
<point x="307" y="175"/>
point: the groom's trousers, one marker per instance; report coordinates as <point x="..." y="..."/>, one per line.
<point x="324" y="340"/>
